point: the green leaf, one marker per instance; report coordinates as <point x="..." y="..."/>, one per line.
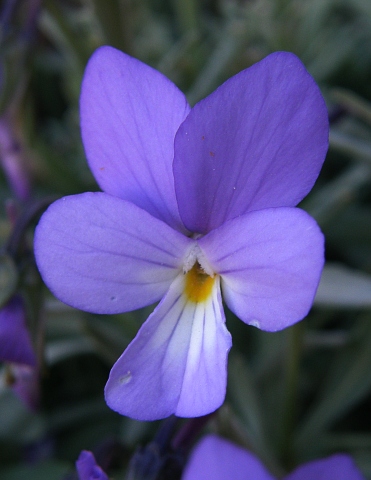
<point x="48" y="470"/>
<point x="341" y="286"/>
<point x="350" y="145"/>
<point x="353" y="103"/>
<point x="348" y="382"/>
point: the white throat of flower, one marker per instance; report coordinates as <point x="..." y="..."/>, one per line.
<point x="195" y="254"/>
<point x="199" y="277"/>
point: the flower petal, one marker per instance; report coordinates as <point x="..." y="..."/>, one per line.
<point x="129" y="116"/>
<point x="102" y="254"/>
<point x="87" y="467"/>
<point x="15" y="339"/>
<point x="176" y="363"/>
<point x="258" y="141"/>
<point x="217" y="459"/>
<point x="270" y="262"/>
<point x="336" y="467"/>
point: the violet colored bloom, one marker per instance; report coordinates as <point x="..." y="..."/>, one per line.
<point x="195" y="203"/>
<point x="15" y="340"/>
<point x="87" y="467"/>
<point x="17" y="351"/>
<point x="215" y="458"/>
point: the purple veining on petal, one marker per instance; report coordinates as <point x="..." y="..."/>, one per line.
<point x="129" y="116"/>
<point x="243" y="155"/>
<point x="270" y="262"/>
<point x="258" y="141"/>
<point x="176" y="363"/>
<point x="112" y="256"/>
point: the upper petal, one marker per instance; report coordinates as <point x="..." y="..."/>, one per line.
<point x="215" y="458"/>
<point x="104" y="255"/>
<point x="270" y="262"/>
<point x="336" y="467"/>
<point x="15" y="339"/>
<point x="177" y="362"/>
<point x="258" y="141"/>
<point x="129" y="116"/>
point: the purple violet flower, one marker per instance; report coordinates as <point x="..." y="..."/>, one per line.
<point x="195" y="203"/>
<point x="87" y="467"/>
<point x="15" y="340"/>
<point x="215" y="458"/>
<point x="17" y="351"/>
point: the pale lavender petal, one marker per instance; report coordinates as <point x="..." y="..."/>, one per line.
<point x="270" y="262"/>
<point x="177" y="362"/>
<point x="87" y="467"/>
<point x="102" y="254"/>
<point x="336" y="467"/>
<point x="215" y="458"/>
<point x="129" y="116"/>
<point x="15" y="339"/>
<point x="258" y="141"/>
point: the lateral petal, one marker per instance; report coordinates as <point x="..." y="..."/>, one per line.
<point x="215" y="458"/>
<point x="104" y="255"/>
<point x="129" y="116"/>
<point x="270" y="263"/>
<point x="177" y="362"/>
<point x="257" y="142"/>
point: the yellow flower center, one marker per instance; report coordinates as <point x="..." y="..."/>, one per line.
<point x="198" y="284"/>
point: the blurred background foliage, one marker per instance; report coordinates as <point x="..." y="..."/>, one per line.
<point x="292" y="396"/>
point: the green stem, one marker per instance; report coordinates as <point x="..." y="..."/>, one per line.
<point x="187" y="15"/>
<point x="290" y="401"/>
<point x="115" y="20"/>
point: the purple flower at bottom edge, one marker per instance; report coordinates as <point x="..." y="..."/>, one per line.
<point x="215" y="458"/>
<point x="195" y="202"/>
<point x="87" y="467"/>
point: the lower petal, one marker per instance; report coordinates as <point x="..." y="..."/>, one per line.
<point x="177" y="362"/>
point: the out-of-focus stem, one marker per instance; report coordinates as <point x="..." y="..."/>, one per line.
<point x="115" y="20"/>
<point x="290" y="400"/>
<point x="186" y="12"/>
<point x="189" y="432"/>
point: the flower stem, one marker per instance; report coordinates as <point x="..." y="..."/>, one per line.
<point x="186" y="13"/>
<point x="290" y="400"/>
